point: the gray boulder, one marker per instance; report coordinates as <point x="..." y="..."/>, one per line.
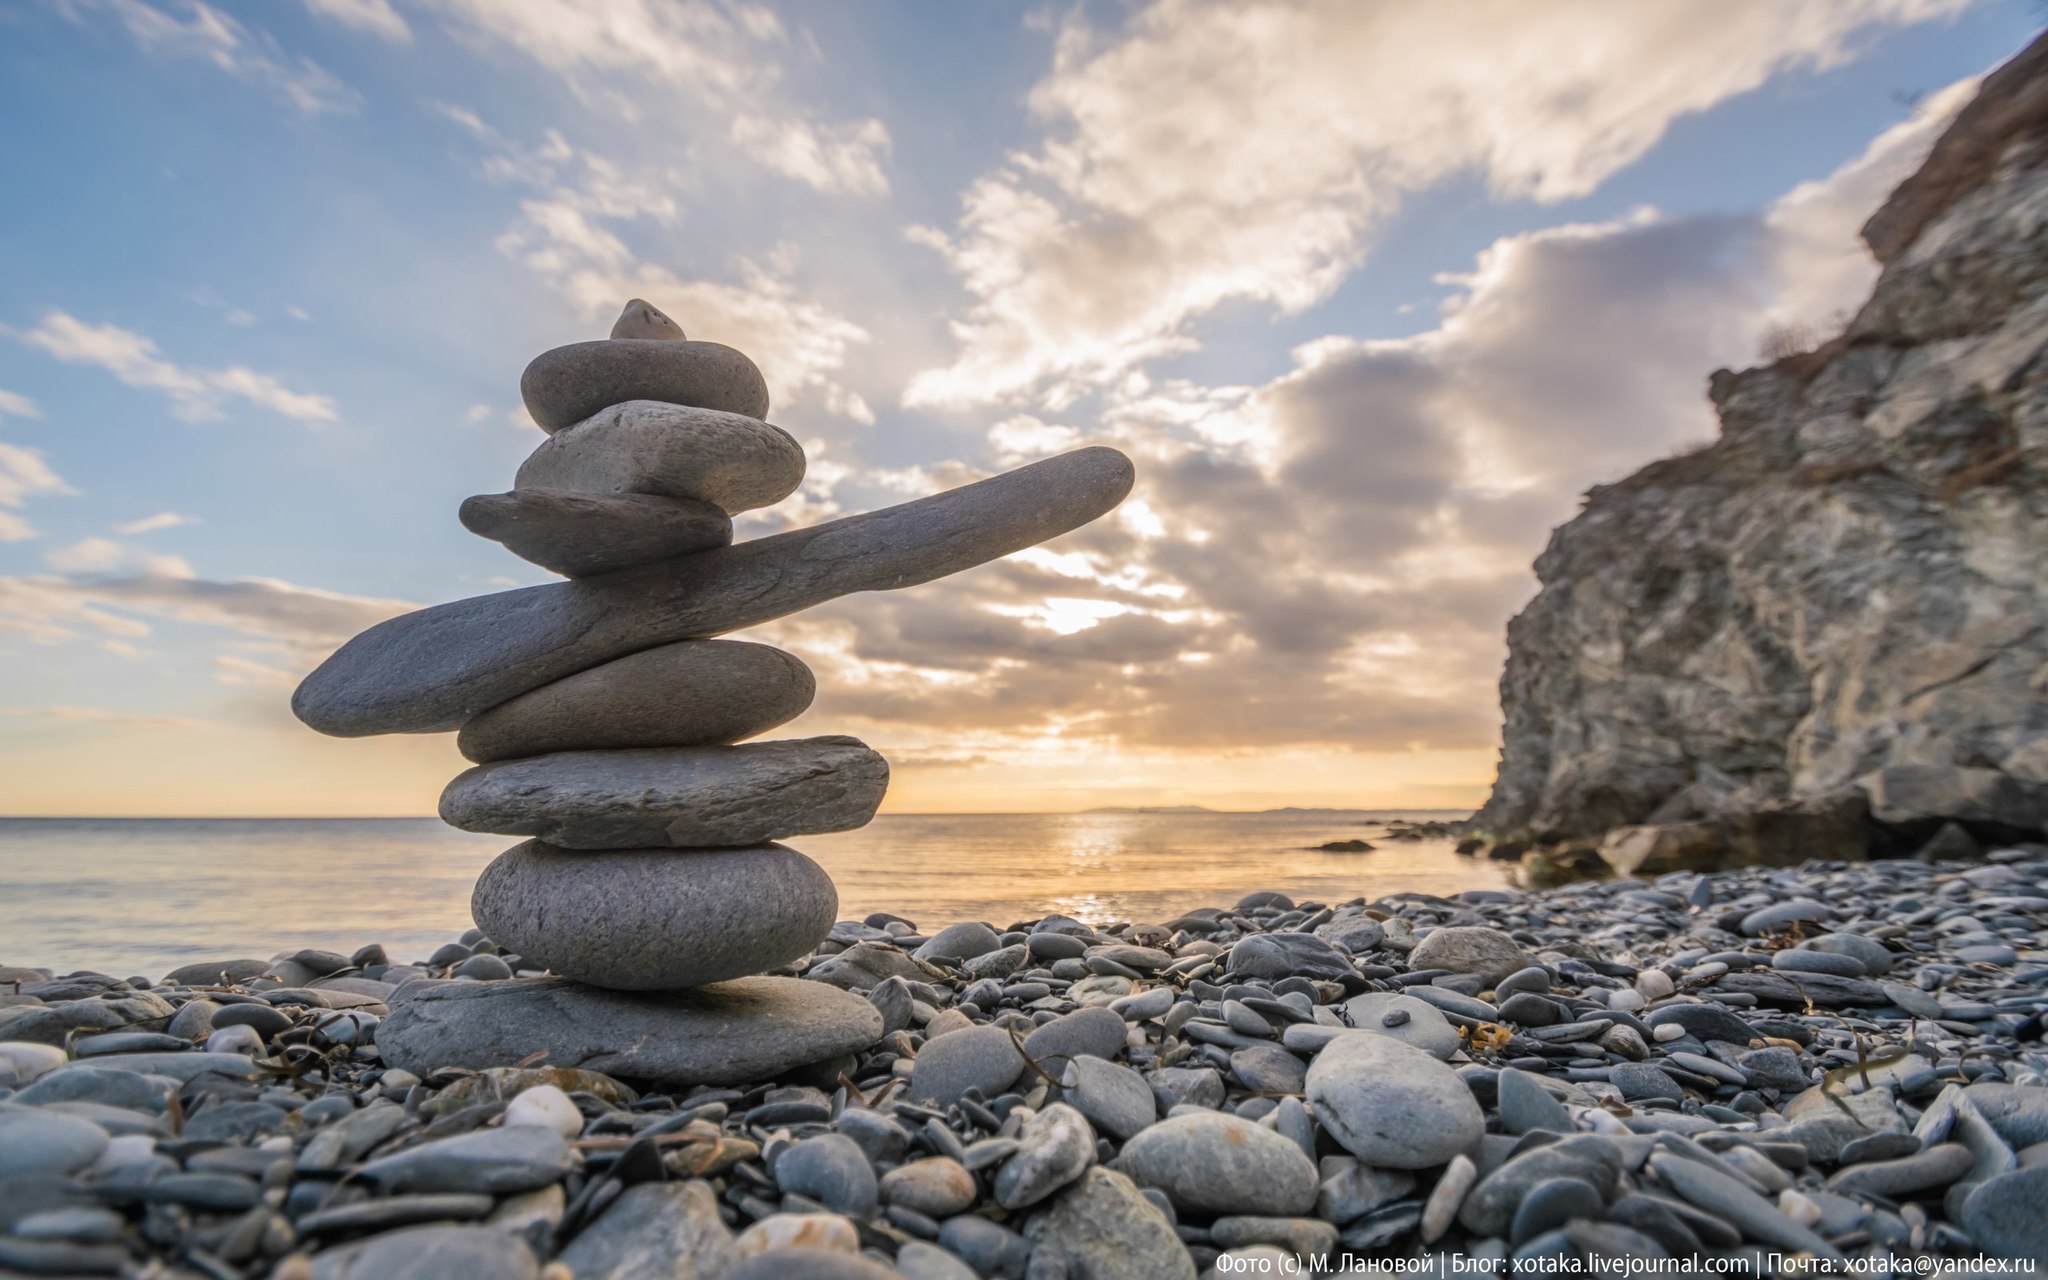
<point x="1475" y="949"/>
<point x="1208" y="1162"/>
<point x="568" y="384"/>
<point x="655" y="1228"/>
<point x="690" y="694"/>
<point x="1104" y="1228"/>
<point x="582" y="534"/>
<point x="732" y="462"/>
<point x="654" y="919"/>
<point x="737" y="1032"/>
<point x="1392" y="1105"/>
<point x="681" y="797"/>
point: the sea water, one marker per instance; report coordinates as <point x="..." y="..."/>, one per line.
<point x="133" y="896"/>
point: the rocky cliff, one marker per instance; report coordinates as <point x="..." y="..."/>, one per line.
<point x="1831" y="625"/>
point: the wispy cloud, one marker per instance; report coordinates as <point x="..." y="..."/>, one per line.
<point x="151" y="524"/>
<point x="299" y="625"/>
<point x="845" y="157"/>
<point x="105" y="555"/>
<point x="1211" y="152"/>
<point x="373" y="17"/>
<point x="570" y="234"/>
<point x="24" y="474"/>
<point x="13" y="403"/>
<point x="643" y="60"/>
<point x="206" y="34"/>
<point x="195" y="394"/>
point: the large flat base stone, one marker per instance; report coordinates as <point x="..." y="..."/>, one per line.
<point x="739" y="1032"/>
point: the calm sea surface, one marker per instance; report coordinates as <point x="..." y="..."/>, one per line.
<point x="141" y="896"/>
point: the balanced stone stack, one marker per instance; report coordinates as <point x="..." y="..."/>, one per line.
<point x="603" y="718"/>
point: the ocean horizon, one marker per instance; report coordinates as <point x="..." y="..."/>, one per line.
<point x="140" y="896"/>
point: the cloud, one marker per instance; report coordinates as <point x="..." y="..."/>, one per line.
<point x="105" y="555"/>
<point x="13" y="403"/>
<point x="24" y="474"/>
<point x="151" y="524"/>
<point x="1211" y="152"/>
<point x="300" y="625"/>
<point x="833" y="158"/>
<point x="569" y="234"/>
<point x="1326" y="562"/>
<point x="685" y="60"/>
<point x="206" y="34"/>
<point x="372" y="17"/>
<point x="195" y="394"/>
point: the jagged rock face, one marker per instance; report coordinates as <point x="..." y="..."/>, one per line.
<point x="1846" y="595"/>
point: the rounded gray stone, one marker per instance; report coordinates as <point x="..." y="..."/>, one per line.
<point x="435" y="1252"/>
<point x="432" y="669"/>
<point x="983" y="1058"/>
<point x="732" y="462"/>
<point x="1286" y="955"/>
<point x="568" y="384"/>
<point x="1490" y="1207"/>
<point x="1056" y="1145"/>
<point x="1104" y="1228"/>
<point x="40" y="1144"/>
<point x="1525" y="1105"/>
<point x="677" y="797"/>
<point x="1097" y="1032"/>
<point x="831" y="1169"/>
<point x="962" y="941"/>
<point x="1490" y="953"/>
<point x="493" y="1161"/>
<point x="1797" y="961"/>
<point x="580" y="535"/>
<point x="737" y="1032"/>
<point x="694" y="693"/>
<point x="1392" y="1105"/>
<point x="1415" y="1022"/>
<point x="1642" y="1081"/>
<point x="654" y="919"/>
<point x="937" y="1187"/>
<point x="2008" y="1215"/>
<point x="1550" y="1204"/>
<point x="1781" y="914"/>
<point x="1116" y="1099"/>
<point x="1209" y="1162"/>
<point x="1876" y="957"/>
<point x="653" y="1229"/>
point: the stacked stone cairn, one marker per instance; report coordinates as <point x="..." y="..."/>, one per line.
<point x="605" y="722"/>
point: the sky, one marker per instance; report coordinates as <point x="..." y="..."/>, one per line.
<point x="1371" y="292"/>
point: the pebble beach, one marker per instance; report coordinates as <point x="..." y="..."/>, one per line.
<point x="1762" y="1072"/>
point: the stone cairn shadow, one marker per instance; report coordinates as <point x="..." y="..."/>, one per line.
<point x="606" y="722"/>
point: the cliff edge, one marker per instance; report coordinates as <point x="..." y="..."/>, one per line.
<point x="1829" y="628"/>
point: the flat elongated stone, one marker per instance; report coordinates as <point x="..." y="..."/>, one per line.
<point x="430" y="670"/>
<point x="735" y="1032"/>
<point x="733" y="462"/>
<point x="568" y="384"/>
<point x="655" y="919"/>
<point x="679" y="797"/>
<point x="691" y="694"/>
<point x="579" y="535"/>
